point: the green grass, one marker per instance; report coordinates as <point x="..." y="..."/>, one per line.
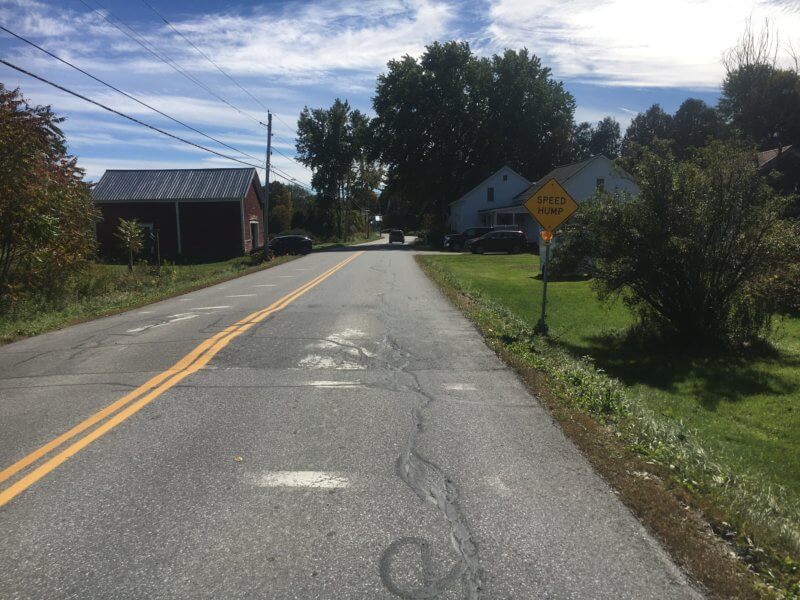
<point x="107" y="289"/>
<point x="745" y="409"/>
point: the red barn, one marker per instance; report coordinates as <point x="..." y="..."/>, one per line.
<point x="198" y="213"/>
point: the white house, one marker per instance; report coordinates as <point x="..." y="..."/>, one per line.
<point x="581" y="180"/>
<point x="498" y="189"/>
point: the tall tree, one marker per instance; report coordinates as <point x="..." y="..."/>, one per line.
<point x="606" y="138"/>
<point x="46" y="211"/>
<point x="645" y="128"/>
<point x="694" y="124"/>
<point x="447" y="120"/>
<point x="759" y="99"/>
<point x="581" y="141"/>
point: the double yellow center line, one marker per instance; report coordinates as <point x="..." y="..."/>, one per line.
<point x="134" y="401"/>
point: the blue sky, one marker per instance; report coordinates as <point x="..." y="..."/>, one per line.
<point x="616" y="56"/>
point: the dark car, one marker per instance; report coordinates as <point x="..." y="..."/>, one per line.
<point x="456" y="241"/>
<point x="290" y="244"/>
<point x="509" y="241"/>
<point x="395" y="235"/>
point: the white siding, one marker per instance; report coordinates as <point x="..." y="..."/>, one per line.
<point x="582" y="186"/>
<point x="464" y="212"/>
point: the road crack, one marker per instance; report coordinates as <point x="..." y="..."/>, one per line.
<point x="431" y="484"/>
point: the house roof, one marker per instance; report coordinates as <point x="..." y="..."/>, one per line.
<point x="561" y="174"/>
<point x="175" y="184"/>
<point x="767" y="156"/>
<point x="487" y="179"/>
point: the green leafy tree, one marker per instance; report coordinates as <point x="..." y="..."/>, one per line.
<point x="694" y="125"/>
<point x="606" y="138"/>
<point x="448" y="119"/>
<point x="695" y="252"/>
<point x="130" y="236"/>
<point x="581" y="141"/>
<point x="645" y="128"/>
<point x="760" y="100"/>
<point x="46" y="212"/>
<point x="281" y="218"/>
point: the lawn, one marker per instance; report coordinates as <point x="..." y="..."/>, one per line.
<point x="746" y="410"/>
<point x="105" y="289"/>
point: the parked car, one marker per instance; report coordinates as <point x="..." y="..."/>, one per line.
<point x="396" y="235"/>
<point x="456" y="241"/>
<point x="290" y="244"/>
<point x="509" y="241"/>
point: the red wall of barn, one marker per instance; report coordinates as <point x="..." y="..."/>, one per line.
<point x="252" y="212"/>
<point x="160" y="214"/>
<point x="208" y="229"/>
<point x="211" y="229"/>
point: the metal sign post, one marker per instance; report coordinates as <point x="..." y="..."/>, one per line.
<point x="550" y="205"/>
<point x="541" y="326"/>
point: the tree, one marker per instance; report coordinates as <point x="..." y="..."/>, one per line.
<point x="648" y="126"/>
<point x="130" y="236"/>
<point x="606" y="138"/>
<point x="46" y="212"/>
<point x="759" y="99"/>
<point x="694" y="124"/>
<point x="694" y="254"/>
<point x="581" y="141"/>
<point x="448" y="119"/>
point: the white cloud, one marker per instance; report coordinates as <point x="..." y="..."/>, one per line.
<point x="635" y="42"/>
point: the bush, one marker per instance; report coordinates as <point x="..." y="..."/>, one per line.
<point x="695" y="252"/>
<point x="46" y="211"/>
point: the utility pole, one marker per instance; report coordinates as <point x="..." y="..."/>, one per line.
<point x="266" y="182"/>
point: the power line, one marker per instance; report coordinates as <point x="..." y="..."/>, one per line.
<point x="203" y="54"/>
<point x="165" y="58"/>
<point x="127" y="95"/>
<point x="121" y="114"/>
<point x="224" y="72"/>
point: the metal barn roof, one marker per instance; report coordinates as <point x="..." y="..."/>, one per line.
<point x="174" y="184"/>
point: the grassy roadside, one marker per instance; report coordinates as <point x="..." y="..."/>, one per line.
<point x="108" y="289"/>
<point x="643" y="438"/>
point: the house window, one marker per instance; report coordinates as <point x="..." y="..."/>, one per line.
<point x="254" y="233"/>
<point x="505" y="177"/>
<point x="601" y="184"/>
<point x="490" y="194"/>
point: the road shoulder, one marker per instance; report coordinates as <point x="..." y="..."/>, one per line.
<point x="679" y="521"/>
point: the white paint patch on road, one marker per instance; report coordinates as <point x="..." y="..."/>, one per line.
<point x="460" y="387"/>
<point x="211" y="307"/>
<point x="286" y="276"/>
<point x="335" y="384"/>
<point x="240" y="296"/>
<point x="266" y="285"/>
<point x="301" y="479"/>
<point x="171" y="319"/>
<point x="145" y="312"/>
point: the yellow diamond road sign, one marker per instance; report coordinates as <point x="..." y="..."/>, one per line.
<point x="551" y="205"/>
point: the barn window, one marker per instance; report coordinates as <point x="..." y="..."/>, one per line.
<point x="601" y="183"/>
<point x="490" y="194"/>
<point x="505" y="177"/>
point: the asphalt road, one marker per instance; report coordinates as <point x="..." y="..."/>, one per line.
<point x="357" y="440"/>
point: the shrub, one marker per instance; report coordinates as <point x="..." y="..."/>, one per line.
<point x="694" y="253"/>
<point x="46" y="212"/>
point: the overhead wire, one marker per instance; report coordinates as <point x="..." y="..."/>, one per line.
<point x="121" y="114"/>
<point x="224" y="72"/>
<point x="126" y="94"/>
<point x="161" y="56"/>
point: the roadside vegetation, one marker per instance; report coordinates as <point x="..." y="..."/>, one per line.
<point x="104" y="289"/>
<point x="724" y="425"/>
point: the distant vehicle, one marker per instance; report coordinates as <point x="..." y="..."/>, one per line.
<point x="395" y="235"/>
<point x="456" y="241"/>
<point x="290" y="244"/>
<point x="509" y="241"/>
